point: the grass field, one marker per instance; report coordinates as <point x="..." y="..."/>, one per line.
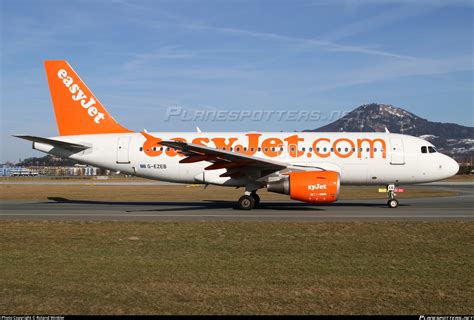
<point x="236" y="268"/>
<point x="229" y="267"/>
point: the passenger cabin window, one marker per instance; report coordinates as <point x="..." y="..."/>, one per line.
<point x="431" y="149"/>
<point x="423" y="150"/>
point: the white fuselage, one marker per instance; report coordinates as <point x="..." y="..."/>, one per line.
<point x="360" y="158"/>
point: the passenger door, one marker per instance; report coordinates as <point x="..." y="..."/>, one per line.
<point x="396" y="151"/>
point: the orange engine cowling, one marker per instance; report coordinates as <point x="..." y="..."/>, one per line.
<point x="308" y="186"/>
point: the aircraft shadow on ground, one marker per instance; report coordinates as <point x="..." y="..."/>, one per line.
<point x="217" y="204"/>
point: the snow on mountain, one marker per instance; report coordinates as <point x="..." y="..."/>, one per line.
<point x="450" y="138"/>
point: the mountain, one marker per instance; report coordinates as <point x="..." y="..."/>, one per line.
<point x="450" y="138"/>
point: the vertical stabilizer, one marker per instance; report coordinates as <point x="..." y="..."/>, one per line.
<point x="77" y="110"/>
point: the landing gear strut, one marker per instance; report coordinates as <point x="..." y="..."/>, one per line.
<point x="392" y="202"/>
<point x="255" y="196"/>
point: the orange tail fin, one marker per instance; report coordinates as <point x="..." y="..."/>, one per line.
<point x="77" y="110"/>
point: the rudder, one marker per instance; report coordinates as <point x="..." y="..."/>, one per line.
<point x="77" y="110"/>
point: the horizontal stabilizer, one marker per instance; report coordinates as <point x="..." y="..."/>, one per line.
<point x="54" y="143"/>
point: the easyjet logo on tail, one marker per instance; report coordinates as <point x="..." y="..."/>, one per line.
<point x="78" y="95"/>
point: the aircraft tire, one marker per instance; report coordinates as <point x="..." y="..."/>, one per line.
<point x="246" y="202"/>
<point x="392" y="203"/>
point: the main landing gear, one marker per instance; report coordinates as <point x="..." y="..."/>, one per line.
<point x="249" y="201"/>
<point x="392" y="202"/>
<point x="255" y="196"/>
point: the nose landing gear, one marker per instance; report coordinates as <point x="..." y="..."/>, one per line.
<point x="392" y="202"/>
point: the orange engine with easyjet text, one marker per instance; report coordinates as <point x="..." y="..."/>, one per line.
<point x="308" y="186"/>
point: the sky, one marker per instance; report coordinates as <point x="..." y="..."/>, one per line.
<point x="145" y="60"/>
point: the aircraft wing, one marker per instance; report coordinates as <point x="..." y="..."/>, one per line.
<point x="55" y="143"/>
<point x="234" y="162"/>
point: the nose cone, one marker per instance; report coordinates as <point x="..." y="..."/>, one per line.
<point x="451" y="167"/>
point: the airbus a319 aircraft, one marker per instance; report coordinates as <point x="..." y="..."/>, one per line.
<point x="307" y="166"/>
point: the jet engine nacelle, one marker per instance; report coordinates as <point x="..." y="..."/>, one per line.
<point x="308" y="186"/>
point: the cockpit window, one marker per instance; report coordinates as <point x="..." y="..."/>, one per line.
<point x="423" y="150"/>
<point x="431" y="149"/>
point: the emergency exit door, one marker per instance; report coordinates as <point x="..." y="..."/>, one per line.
<point x="123" y="152"/>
